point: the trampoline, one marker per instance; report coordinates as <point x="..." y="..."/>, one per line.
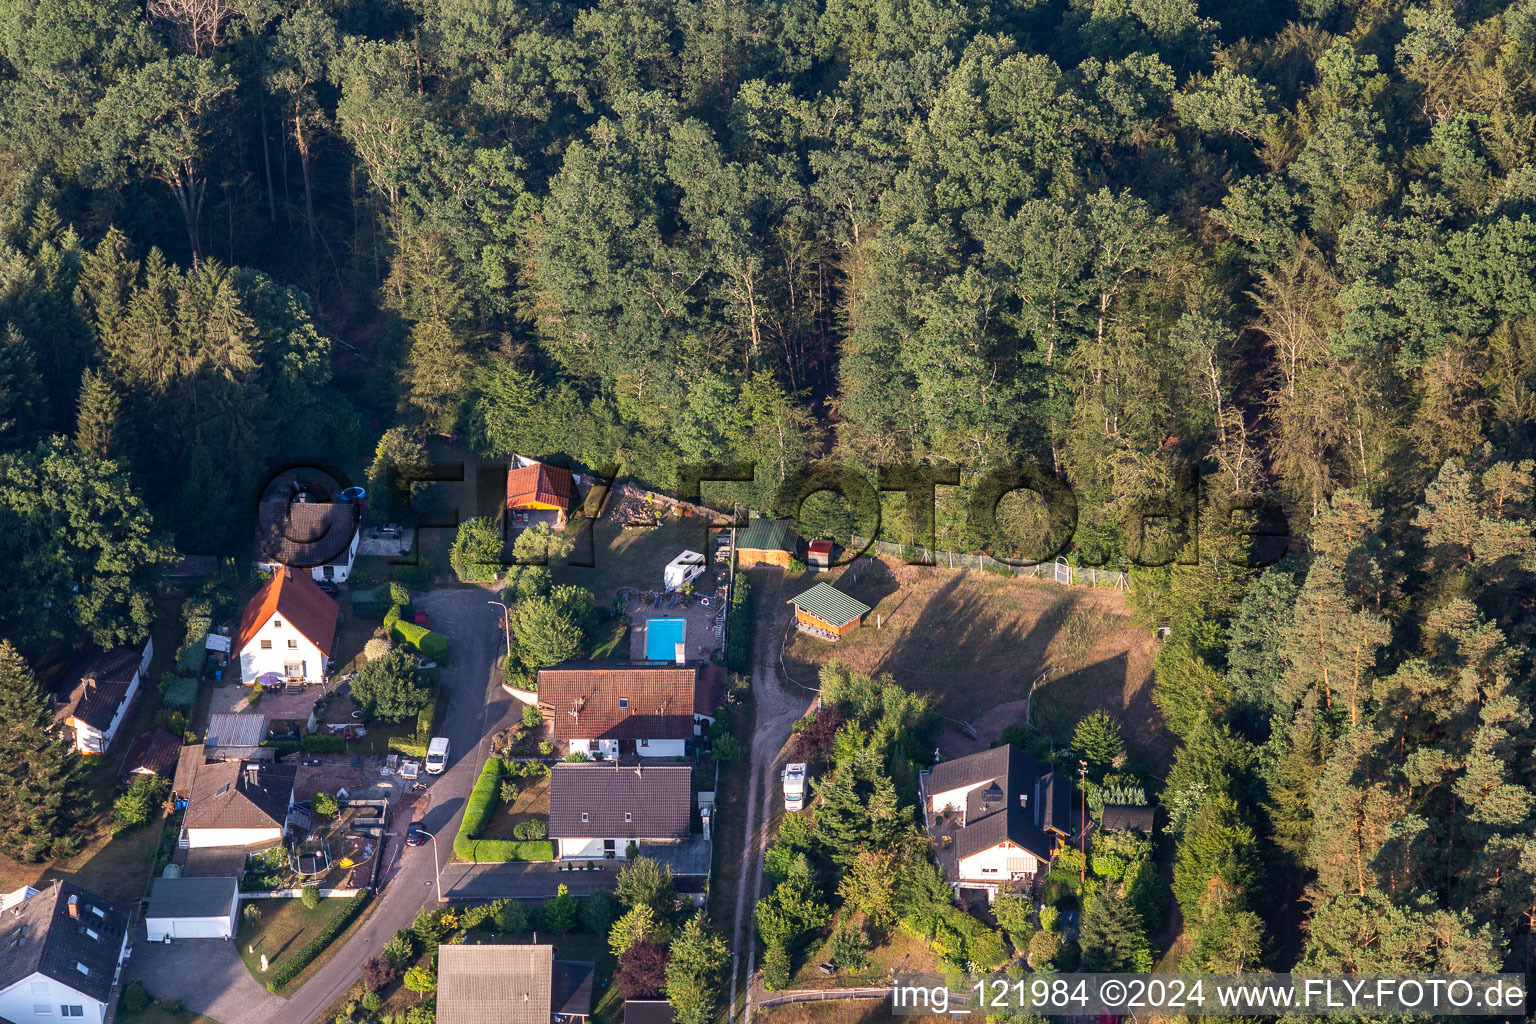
<point x="662" y="637"/>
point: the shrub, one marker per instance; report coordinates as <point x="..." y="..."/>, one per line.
<point x="578" y="755"/>
<point x="533" y="828"/>
<point x="420" y="980"/>
<point x="378" y="972"/>
<point x="409" y="633"/>
<point x="412" y="575"/>
<point x="399" y="594"/>
<point x="319" y="743"/>
<point x="532" y="716"/>
<point x="482" y="916"/>
<point x="776" y="967"/>
<point x="642" y="971"/>
<point x="174" y="1006"/>
<point x="509" y="791"/>
<point x="727" y="749"/>
<point x="134" y="999"/>
<point x="1044" y="948"/>
<point x="738" y="651"/>
<point x="180" y="692"/>
<point x="426" y="719"/>
<point x="850" y="949"/>
<point x="252" y="914"/>
<point x="598" y="911"/>
<point x="294" y="965"/>
<point x="512" y="918"/>
<point x="140" y="801"/>
<point x="326" y="804"/>
<point x="371" y="1002"/>
<point x="310" y="896"/>
<point x="390" y="688"/>
<point x="546" y="748"/>
<point x="560" y="912"/>
<point x="401" y="949"/>
<point x="434" y="646"/>
<point x="376" y="648"/>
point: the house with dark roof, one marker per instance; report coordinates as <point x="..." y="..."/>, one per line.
<point x="99" y="690"/>
<point x="598" y="808"/>
<point x="1129" y="818"/>
<point x="287" y="632"/>
<point x="298" y="532"/>
<point x="827" y="613"/>
<point x="151" y="753"/>
<point x="613" y="710"/>
<point x="766" y="541"/>
<point x="59" y="952"/>
<point x="999" y="817"/>
<point x="538" y="493"/>
<point x="510" y="984"/>
<point x="238" y="804"/>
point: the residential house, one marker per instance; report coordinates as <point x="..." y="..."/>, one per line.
<point x="287" y="632"/>
<point x="608" y="711"/>
<point x="538" y="493"/>
<point x="238" y="804"/>
<point x="766" y="541"/>
<point x="597" y="809"/>
<point x="827" y="613"/>
<point x="192" y="908"/>
<point x="101" y="688"/>
<point x="236" y="737"/>
<point x="151" y="753"/>
<point x="301" y="533"/>
<point x="60" y="948"/>
<point x="510" y="984"/>
<point x="1128" y="817"/>
<point x="999" y="817"/>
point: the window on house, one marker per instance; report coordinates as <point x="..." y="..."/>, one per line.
<point x="583" y="815"/>
<point x="93" y="933"/>
<point x="989" y="871"/>
<point x="277" y="623"/>
<point x="72" y="1011"/>
<point x="623" y="703"/>
<point x="82" y="968"/>
<point x="293" y="645"/>
<point x="99" y="913"/>
<point x="628" y="816"/>
<point x="266" y="645"/>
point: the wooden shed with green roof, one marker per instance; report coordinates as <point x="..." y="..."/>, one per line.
<point x="828" y="613"/>
<point x="766" y="542"/>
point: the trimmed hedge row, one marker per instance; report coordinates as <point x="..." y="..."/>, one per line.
<point x="478" y="810"/>
<point x="317" y="743"/>
<point x="294" y="966"/>
<point x="429" y="644"/>
<point x="738" y="641"/>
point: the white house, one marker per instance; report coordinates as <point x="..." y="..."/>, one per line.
<point x="101" y="689"/>
<point x="612" y="711"/>
<point x="238" y="804"/>
<point x="60" y="949"/>
<point x="596" y="810"/>
<point x="192" y="908"/>
<point x="287" y="631"/>
<point x="999" y="816"/>
<point x="300" y="533"/>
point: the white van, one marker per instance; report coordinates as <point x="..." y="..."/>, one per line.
<point x="437" y="755"/>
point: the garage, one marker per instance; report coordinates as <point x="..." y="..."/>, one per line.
<point x="192" y="908"/>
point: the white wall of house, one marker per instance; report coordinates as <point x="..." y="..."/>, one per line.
<point x="998" y="864"/>
<point x="275" y="647"/>
<point x="203" y="837"/>
<point x="591" y="849"/>
<point x="953" y="797"/>
<point x="661" y="748"/>
<point x="608" y="748"/>
<point x="161" y="928"/>
<point x="38" y="998"/>
<point x="90" y="740"/>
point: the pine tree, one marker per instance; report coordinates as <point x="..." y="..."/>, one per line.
<point x="1113" y="938"/>
<point x="23" y="401"/>
<point x="698" y="957"/>
<point x="98" y="424"/>
<point x="41" y="793"/>
<point x="436" y="374"/>
<point x="1217" y="848"/>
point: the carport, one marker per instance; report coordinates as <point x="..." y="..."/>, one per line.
<point x="192" y="908"/>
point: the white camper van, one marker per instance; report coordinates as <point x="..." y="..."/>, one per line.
<point x="437" y="755"/>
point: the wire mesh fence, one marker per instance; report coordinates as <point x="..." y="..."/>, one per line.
<point x="1059" y="570"/>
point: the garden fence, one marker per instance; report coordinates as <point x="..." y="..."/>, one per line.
<point x="1058" y="570"/>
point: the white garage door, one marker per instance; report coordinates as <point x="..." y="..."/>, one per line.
<point x="187" y="928"/>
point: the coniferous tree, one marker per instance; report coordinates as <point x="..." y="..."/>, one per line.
<point x="98" y="417"/>
<point x="43" y="793"/>
<point x="1113" y="938"/>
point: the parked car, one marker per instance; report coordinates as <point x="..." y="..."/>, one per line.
<point x="415" y="835"/>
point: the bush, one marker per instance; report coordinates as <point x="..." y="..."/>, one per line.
<point x="140" y="801"/>
<point x="319" y="743"/>
<point x="512" y="918"/>
<point x="310" y="896"/>
<point x="326" y="804"/>
<point x="134" y="999"/>
<point x="532" y="716"/>
<point x="727" y="749"/>
<point x="294" y="965"/>
<point x="409" y="633"/>
<point x="776" y="967"/>
<point x="412" y="575"/>
<point x="180" y="692"/>
<point x="509" y="791"/>
<point x="434" y="646"/>
<point x="426" y="719"/>
<point x="399" y="593"/>
<point x="371" y="1001"/>
<point x="401" y="949"/>
<point x="390" y="688"/>
<point x="376" y="648"/>
<point x="546" y="748"/>
<point x="576" y="756"/>
<point x="850" y="949"/>
<point x="533" y="828"/>
<point x="738" y="650"/>
<point x="252" y="914"/>
<point x="378" y="972"/>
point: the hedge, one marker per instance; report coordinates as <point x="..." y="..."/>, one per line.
<point x="477" y="814"/>
<point x="318" y="743"/>
<point x="738" y="641"/>
<point x="180" y="692"/>
<point x="412" y="573"/>
<point x="283" y="748"/>
<point x="434" y="646"/>
<point x="409" y="632"/>
<point x="294" y="966"/>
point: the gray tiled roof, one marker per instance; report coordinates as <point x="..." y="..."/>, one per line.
<point x="657" y="798"/>
<point x="494" y="984"/>
<point x="38" y="935"/>
<point x="192" y="897"/>
<point x="1021" y="799"/>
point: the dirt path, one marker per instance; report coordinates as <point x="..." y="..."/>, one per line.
<point x="776" y="709"/>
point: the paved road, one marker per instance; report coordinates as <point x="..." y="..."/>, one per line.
<point x="776" y="710"/>
<point x="476" y="709"/>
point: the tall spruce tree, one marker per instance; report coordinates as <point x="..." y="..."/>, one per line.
<point x="41" y="792"/>
<point x="98" y="417"/>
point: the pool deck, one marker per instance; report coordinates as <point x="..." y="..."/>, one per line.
<point x="699" y="633"/>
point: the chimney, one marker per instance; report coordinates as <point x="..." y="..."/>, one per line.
<point x="253" y="774"/>
<point x="74" y="906"/>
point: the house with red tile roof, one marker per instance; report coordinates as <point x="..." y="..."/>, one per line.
<point x="287" y="632"/>
<point x="538" y="493"/>
<point x="620" y="710"/>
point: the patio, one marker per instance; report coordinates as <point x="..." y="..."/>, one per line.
<point x="699" y="633"/>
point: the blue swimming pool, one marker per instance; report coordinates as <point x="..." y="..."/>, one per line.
<point x="662" y="637"/>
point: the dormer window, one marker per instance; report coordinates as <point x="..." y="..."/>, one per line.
<point x="623" y="703"/>
<point x="93" y="933"/>
<point x="583" y="815"/>
<point x="99" y="913"/>
<point x="628" y="816"/>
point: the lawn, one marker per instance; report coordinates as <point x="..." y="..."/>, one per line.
<point x="632" y="556"/>
<point x="532" y="802"/>
<point x="841" y="1011"/>
<point x="975" y="641"/>
<point x="286" y="926"/>
<point x="895" y="949"/>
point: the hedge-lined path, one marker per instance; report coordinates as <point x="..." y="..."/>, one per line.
<point x="476" y="708"/>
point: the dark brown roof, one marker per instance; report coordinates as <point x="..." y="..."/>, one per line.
<point x="647" y="1011"/>
<point x="225" y="796"/>
<point x="188" y="760"/>
<point x="1129" y="816"/>
<point x="305" y="534"/>
<point x="98" y="686"/>
<point x="658" y="702"/>
<point x="709" y="690"/>
<point x="546" y="485"/>
<point x="570" y="988"/>
<point x="301" y="603"/>
<point x="155" y="751"/>
<point x="38" y="935"/>
<point x="657" y="798"/>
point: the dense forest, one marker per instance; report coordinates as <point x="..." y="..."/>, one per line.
<point x="1289" y="244"/>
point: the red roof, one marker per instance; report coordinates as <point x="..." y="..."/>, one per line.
<point x="302" y="604"/>
<point x="657" y="702"/>
<point x="820" y="547"/>
<point x="541" y="484"/>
